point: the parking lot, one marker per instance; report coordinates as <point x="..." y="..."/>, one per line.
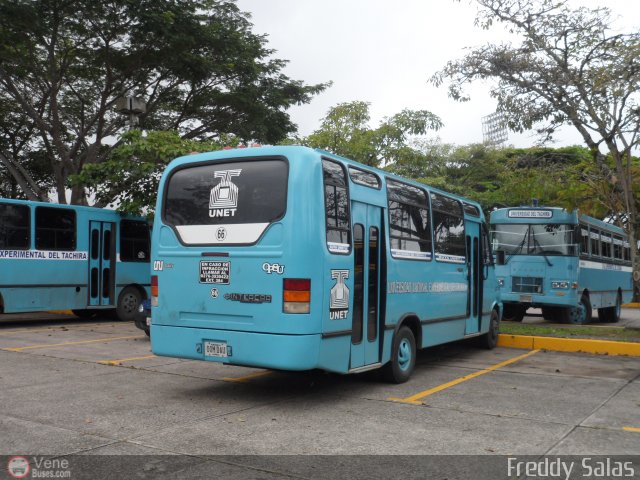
<point x="73" y="386"/>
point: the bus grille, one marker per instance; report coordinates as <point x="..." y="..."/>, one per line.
<point x="526" y="285"/>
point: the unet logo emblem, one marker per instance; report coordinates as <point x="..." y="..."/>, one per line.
<point x="223" y="200"/>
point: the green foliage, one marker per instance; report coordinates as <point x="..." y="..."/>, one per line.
<point x="129" y="178"/>
<point x="566" y="66"/>
<point x="345" y="131"/>
<point x="565" y="177"/>
<point x="196" y="63"/>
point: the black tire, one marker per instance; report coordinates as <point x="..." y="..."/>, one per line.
<point x="85" y="313"/>
<point x="579" y="315"/>
<point x="403" y="357"/>
<point x="513" y="312"/>
<point x="128" y="302"/>
<point x="490" y="339"/>
<point x="605" y="314"/>
<point x="611" y="314"/>
<point x="617" y="310"/>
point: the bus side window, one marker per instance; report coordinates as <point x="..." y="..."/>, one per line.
<point x="487" y="257"/>
<point x="448" y="229"/>
<point x="584" y="237"/>
<point x="606" y="245"/>
<point x="617" y="248"/>
<point x="409" y="228"/>
<point x="134" y="241"/>
<point x="594" y="235"/>
<point x="55" y="228"/>
<point x="336" y="202"/>
<point x="14" y="227"/>
<point x="627" y="251"/>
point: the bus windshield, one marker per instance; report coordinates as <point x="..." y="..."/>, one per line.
<point x="534" y="239"/>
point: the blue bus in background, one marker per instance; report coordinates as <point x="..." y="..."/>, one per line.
<point x="66" y="257"/>
<point x="295" y="259"/>
<point x="563" y="262"/>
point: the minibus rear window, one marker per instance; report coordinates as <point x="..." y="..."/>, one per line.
<point x="245" y="192"/>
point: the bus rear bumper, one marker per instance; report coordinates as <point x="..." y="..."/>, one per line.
<point x="539" y="301"/>
<point x="252" y="349"/>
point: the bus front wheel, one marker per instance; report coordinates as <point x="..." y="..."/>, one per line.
<point x="490" y="339"/>
<point x="403" y="357"/>
<point x="580" y="314"/>
<point x="128" y="302"/>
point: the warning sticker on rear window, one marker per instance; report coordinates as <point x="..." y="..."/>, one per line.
<point x="214" y="272"/>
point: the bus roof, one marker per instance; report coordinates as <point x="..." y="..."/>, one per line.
<point x="302" y="150"/>
<point x="529" y="214"/>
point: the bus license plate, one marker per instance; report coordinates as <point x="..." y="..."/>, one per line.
<point x="526" y="298"/>
<point x="215" y="349"/>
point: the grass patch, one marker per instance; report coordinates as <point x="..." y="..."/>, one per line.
<point x="603" y="333"/>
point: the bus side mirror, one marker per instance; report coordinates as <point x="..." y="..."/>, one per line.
<point x="500" y="257"/>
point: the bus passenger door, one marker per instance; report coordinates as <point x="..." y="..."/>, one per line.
<point x="101" y="263"/>
<point x="365" y="336"/>
<point x="474" y="278"/>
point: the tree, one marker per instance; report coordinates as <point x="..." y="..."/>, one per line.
<point x="345" y="131"/>
<point x="196" y="64"/>
<point x="570" y="68"/>
<point x="129" y="178"/>
<point x="23" y="173"/>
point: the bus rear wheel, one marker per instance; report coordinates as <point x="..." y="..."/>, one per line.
<point x="611" y="314"/>
<point x="403" y="357"/>
<point x="128" y="302"/>
<point x="513" y="313"/>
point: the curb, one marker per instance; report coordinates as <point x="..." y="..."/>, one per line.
<point x="599" y="347"/>
<point x="631" y="305"/>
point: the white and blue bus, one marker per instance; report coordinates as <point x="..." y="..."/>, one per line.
<point x="66" y="257"/>
<point x="563" y="262"/>
<point x="295" y="259"/>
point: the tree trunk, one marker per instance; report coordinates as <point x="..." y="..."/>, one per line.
<point x="78" y="195"/>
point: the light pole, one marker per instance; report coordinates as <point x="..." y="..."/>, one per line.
<point x="132" y="106"/>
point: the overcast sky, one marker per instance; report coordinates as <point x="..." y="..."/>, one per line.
<point x="384" y="52"/>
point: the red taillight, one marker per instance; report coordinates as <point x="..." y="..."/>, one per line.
<point x="297" y="284"/>
<point x="296" y="295"/>
<point x="154" y="290"/>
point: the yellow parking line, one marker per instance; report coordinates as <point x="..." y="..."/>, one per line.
<point x="631" y="429"/>
<point x="416" y="399"/>
<point x="31" y="347"/>
<point x="60" y="327"/>
<point x="246" y="378"/>
<point x="119" y="362"/>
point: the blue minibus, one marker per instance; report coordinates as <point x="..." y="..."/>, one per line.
<point x="67" y="257"/>
<point x="295" y="259"/>
<point x="563" y="262"/>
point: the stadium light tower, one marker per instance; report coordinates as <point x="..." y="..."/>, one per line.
<point x="494" y="129"/>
